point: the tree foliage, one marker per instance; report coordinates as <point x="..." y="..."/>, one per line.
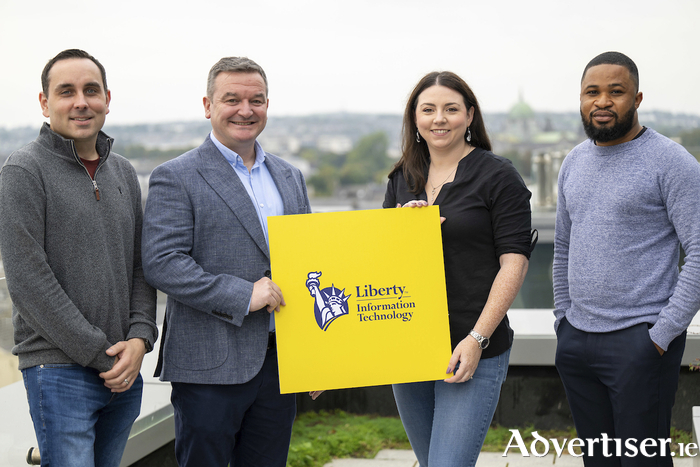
<point x="690" y="138"/>
<point x="324" y="181"/>
<point x="367" y="162"/>
<point x="691" y="141"/>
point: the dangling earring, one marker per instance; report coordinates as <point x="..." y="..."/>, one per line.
<point x="417" y="136"/>
<point x="469" y="134"/>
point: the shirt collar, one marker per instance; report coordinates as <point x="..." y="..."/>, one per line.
<point x="233" y="158"/>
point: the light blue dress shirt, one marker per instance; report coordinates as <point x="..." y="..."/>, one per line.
<point x="260" y="187"/>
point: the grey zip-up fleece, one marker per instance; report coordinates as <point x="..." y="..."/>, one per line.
<point x="71" y="249"/>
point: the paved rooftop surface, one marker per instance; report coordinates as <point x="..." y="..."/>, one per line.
<point x="402" y="458"/>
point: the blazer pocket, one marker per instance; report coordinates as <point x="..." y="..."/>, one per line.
<point x="196" y="341"/>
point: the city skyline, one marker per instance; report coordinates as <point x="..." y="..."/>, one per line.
<point x="357" y="57"/>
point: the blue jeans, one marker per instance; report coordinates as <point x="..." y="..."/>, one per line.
<point x="446" y="423"/>
<point x="78" y="421"/>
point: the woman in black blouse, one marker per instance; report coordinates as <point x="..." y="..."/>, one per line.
<point x="447" y="161"/>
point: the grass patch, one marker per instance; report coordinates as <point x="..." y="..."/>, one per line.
<point x="319" y="437"/>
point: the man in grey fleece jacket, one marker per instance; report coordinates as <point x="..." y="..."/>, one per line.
<point x="70" y="237"/>
<point x="628" y="197"/>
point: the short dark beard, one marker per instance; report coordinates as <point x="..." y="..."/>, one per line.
<point x="606" y="134"/>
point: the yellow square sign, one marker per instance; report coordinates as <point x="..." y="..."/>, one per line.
<point x="366" y="300"/>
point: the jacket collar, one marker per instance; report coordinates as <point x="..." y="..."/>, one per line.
<point x="219" y="174"/>
<point x="65" y="147"/>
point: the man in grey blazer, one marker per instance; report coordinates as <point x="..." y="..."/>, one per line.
<point x="205" y="245"/>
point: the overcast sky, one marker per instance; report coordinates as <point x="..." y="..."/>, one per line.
<point x="354" y="56"/>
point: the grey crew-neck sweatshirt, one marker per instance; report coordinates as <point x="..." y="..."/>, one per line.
<point x="622" y="212"/>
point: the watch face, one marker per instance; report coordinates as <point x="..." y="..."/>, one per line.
<point x="485" y="342"/>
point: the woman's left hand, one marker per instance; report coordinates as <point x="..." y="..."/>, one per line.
<point x="467" y="354"/>
<point x="414" y="203"/>
<point x="417" y="203"/>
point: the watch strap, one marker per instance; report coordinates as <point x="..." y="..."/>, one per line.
<point x="481" y="340"/>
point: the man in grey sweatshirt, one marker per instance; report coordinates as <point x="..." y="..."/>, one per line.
<point x="628" y="197"/>
<point x="70" y="237"/>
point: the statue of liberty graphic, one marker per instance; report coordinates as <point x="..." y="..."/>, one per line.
<point x="330" y="304"/>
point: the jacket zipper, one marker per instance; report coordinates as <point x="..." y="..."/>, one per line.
<point x="94" y="183"/>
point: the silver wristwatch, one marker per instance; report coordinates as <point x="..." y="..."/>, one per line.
<point x="483" y="341"/>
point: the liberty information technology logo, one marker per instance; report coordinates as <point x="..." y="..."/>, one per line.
<point x="330" y="303"/>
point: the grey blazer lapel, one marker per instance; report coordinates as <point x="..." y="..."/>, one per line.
<point x="221" y="177"/>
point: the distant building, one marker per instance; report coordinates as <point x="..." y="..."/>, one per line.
<point x="281" y="145"/>
<point x="526" y="132"/>
<point x="336" y="144"/>
<point x="521" y="124"/>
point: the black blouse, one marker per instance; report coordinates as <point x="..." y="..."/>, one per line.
<point x="487" y="213"/>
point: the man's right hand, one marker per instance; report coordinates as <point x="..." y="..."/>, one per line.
<point x="266" y="294"/>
